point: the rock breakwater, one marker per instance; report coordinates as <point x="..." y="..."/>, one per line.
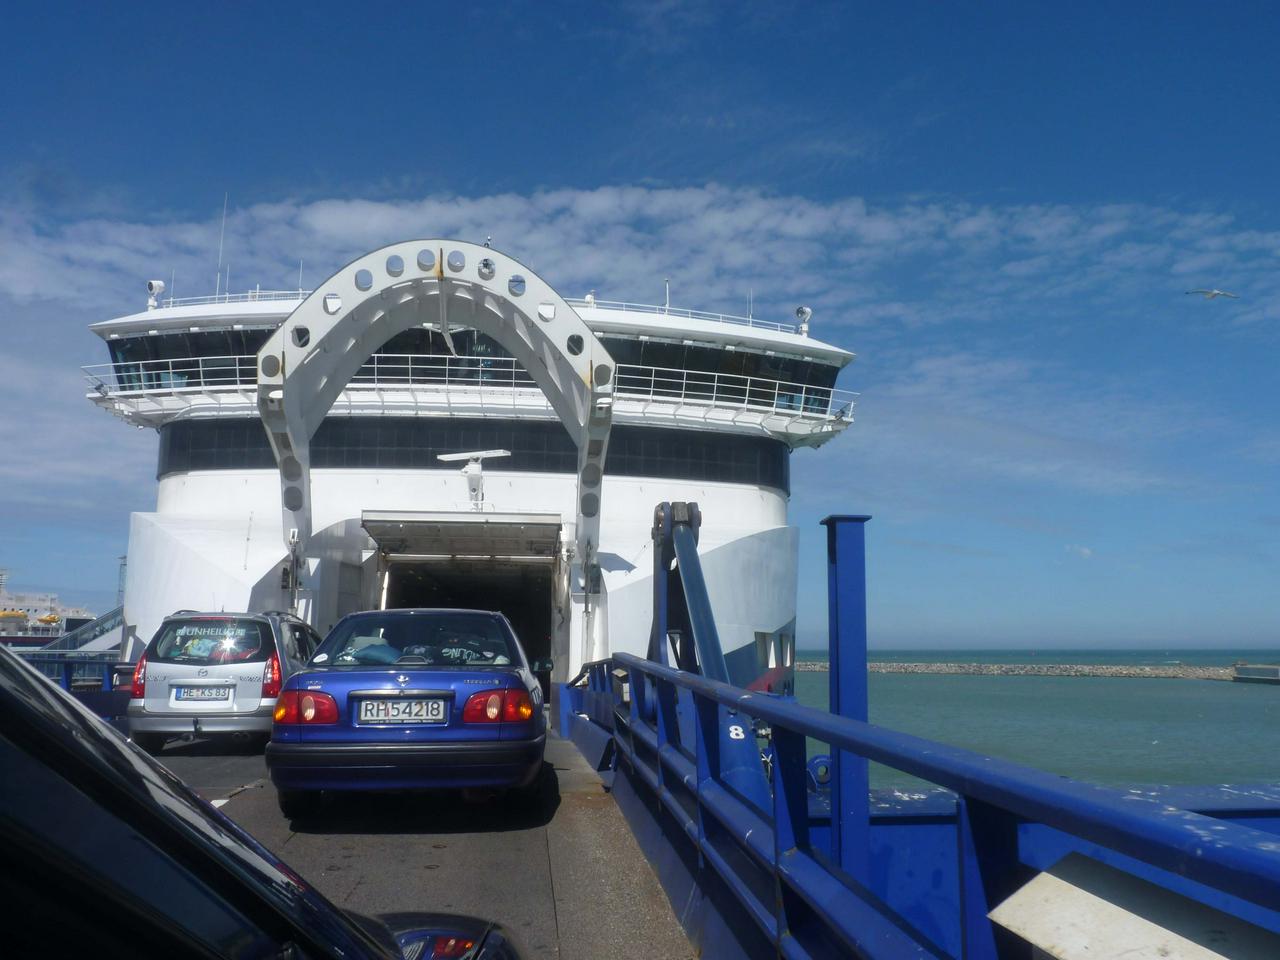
<point x="1136" y="671"/>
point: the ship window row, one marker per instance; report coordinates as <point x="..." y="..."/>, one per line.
<point x="537" y="446"/>
<point x="178" y="347"/>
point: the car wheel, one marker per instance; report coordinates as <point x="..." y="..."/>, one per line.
<point x="152" y="743"/>
<point x="297" y="803"/>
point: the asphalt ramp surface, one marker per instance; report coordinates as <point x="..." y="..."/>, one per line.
<point x="561" y="871"/>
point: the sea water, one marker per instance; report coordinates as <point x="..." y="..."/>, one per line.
<point x="1103" y="729"/>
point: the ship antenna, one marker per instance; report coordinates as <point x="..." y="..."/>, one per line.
<point x="299" y="276"/>
<point x="750" y="301"/>
<point x="666" y="307"/>
<point x="172" y="273"/>
<point x="221" y="234"/>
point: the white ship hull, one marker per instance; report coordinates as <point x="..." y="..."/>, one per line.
<point x="215" y="542"/>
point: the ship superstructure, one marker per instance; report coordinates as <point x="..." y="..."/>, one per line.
<point x="35" y="617"/>
<point x="443" y="474"/>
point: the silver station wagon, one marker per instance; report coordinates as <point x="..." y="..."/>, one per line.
<point x="215" y="674"/>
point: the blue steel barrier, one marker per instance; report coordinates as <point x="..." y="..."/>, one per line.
<point x="101" y="682"/>
<point x="783" y="870"/>
<point x="776" y="867"/>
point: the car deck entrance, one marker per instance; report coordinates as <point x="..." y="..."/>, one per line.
<point x="484" y="561"/>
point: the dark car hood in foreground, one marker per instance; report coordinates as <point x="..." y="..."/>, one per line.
<point x="47" y="722"/>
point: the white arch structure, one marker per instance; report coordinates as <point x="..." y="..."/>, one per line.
<point x="309" y="360"/>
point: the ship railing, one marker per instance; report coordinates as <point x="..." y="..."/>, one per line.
<point x="73" y="670"/>
<point x="99" y="680"/>
<point x="757" y="815"/>
<point x="248" y="296"/>
<point x="388" y="371"/>
<point x="661" y="310"/>
<point x="733" y="390"/>
<point x="166" y="376"/>
<point x="87" y="632"/>
<point x="797" y="880"/>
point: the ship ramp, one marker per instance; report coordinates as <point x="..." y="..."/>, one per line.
<point x="563" y="872"/>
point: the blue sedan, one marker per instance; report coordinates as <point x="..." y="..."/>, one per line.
<point x="409" y="700"/>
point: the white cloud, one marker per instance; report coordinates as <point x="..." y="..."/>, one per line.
<point x="939" y="260"/>
<point x="938" y="296"/>
<point x="64" y="458"/>
<point x="1084" y="553"/>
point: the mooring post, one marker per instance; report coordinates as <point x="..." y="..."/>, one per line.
<point x="847" y="639"/>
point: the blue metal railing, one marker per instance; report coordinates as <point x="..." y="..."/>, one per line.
<point x="759" y="862"/>
<point x="77" y="671"/>
<point x="100" y="681"/>
<point x="785" y="849"/>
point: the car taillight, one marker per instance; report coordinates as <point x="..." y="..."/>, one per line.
<point x="483" y="707"/>
<point x="138" y="690"/>
<point x="305" y="706"/>
<point x="516" y="706"/>
<point x="271" y="677"/>
<point x="494" y="706"/>
<point x="449" y="947"/>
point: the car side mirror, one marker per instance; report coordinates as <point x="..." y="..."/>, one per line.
<point x="543" y="666"/>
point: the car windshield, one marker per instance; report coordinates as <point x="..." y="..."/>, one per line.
<point x="421" y="639"/>
<point x="220" y="640"/>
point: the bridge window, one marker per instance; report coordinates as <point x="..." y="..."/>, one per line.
<point x="701" y="358"/>
<point x="186" y="346"/>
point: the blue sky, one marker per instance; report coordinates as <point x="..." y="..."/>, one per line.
<point x="999" y="210"/>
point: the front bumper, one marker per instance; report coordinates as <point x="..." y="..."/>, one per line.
<point x="402" y="766"/>
<point x="138" y="720"/>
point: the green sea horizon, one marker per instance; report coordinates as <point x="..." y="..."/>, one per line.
<point x="1106" y="730"/>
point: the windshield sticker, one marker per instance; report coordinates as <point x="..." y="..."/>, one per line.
<point x="219" y="630"/>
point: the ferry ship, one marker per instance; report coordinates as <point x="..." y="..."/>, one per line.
<point x="440" y="469"/>
<point x="35" y="619"/>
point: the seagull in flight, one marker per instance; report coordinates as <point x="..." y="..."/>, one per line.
<point x="1211" y="294"/>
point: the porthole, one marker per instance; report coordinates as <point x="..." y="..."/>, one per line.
<point x="301" y="336"/>
<point x="574" y="344"/>
<point x="456" y="260"/>
<point x="486" y="268"/>
<point x="332" y="303"/>
<point x="426" y="260"/>
<point x="515" y="286"/>
<point x="603" y="375"/>
<point x="364" y="279"/>
<point x="395" y="265"/>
